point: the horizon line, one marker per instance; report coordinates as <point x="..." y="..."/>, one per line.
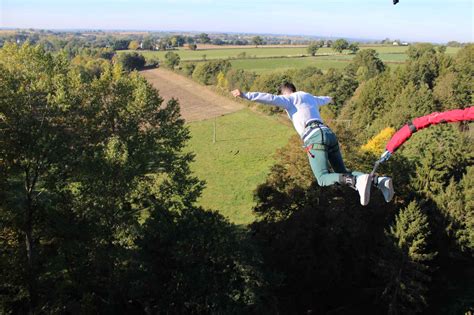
<point x="212" y="33"/>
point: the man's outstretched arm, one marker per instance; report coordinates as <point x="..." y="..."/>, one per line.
<point x="265" y="98"/>
<point x="323" y="100"/>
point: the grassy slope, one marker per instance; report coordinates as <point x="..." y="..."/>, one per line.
<point x="239" y="160"/>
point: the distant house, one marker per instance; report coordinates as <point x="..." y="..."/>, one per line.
<point x="395" y="44"/>
<point x="404" y="44"/>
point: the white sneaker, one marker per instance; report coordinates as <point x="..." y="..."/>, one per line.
<point x="363" y="184"/>
<point x="385" y="185"/>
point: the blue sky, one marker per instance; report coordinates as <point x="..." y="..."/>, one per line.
<point x="411" y="20"/>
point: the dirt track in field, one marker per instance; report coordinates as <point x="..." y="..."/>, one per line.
<point x="197" y="101"/>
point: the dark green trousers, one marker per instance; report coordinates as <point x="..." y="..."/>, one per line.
<point x="324" y="154"/>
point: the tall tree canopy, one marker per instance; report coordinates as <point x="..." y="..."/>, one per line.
<point x="96" y="193"/>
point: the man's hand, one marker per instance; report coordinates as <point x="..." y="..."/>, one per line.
<point x="237" y="93"/>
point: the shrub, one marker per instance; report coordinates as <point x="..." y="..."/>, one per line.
<point x="206" y="72"/>
<point x="152" y="62"/>
<point x="188" y="68"/>
<point x="131" y="61"/>
<point x="376" y="145"/>
<point x="240" y="79"/>
<point x="172" y="59"/>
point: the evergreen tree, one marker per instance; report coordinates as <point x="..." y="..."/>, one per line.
<point x="407" y="268"/>
<point x="440" y="153"/>
<point x="466" y="235"/>
<point x="412" y="102"/>
<point x="464" y="85"/>
<point x="455" y="203"/>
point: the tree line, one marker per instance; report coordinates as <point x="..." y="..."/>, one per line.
<point x="71" y="41"/>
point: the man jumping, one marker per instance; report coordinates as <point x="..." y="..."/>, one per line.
<point x="319" y="140"/>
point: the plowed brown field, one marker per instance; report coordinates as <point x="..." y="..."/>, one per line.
<point x="197" y="102"/>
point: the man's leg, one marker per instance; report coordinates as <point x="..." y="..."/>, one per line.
<point x="335" y="158"/>
<point x="326" y="150"/>
<point x="320" y="166"/>
<point x="337" y="163"/>
<point x="334" y="154"/>
<point x="384" y="184"/>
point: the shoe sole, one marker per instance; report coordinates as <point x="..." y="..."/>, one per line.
<point x="388" y="193"/>
<point x="365" y="195"/>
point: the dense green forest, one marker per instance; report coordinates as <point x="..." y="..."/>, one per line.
<point x="98" y="206"/>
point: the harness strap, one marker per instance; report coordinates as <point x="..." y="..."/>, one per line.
<point x="333" y="148"/>
<point x="314" y="146"/>
<point x="310" y="129"/>
<point x="308" y="150"/>
<point x="322" y="133"/>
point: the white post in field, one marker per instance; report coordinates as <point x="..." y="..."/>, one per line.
<point x="214" y="134"/>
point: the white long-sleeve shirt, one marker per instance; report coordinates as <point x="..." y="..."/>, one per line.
<point x="301" y="107"/>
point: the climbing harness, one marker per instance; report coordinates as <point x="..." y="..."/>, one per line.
<point x="311" y="127"/>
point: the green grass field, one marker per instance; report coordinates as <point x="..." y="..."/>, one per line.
<point x="239" y="160"/>
<point x="260" y="52"/>
<point x="281" y="64"/>
<point x="386" y="52"/>
<point x="264" y="60"/>
<point x="251" y="51"/>
<point x="267" y="65"/>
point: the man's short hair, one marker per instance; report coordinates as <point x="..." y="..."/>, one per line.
<point x="287" y="86"/>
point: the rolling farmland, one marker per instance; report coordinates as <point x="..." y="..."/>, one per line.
<point x="268" y="59"/>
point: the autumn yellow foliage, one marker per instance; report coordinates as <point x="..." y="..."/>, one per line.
<point x="222" y="81"/>
<point x="376" y="145"/>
